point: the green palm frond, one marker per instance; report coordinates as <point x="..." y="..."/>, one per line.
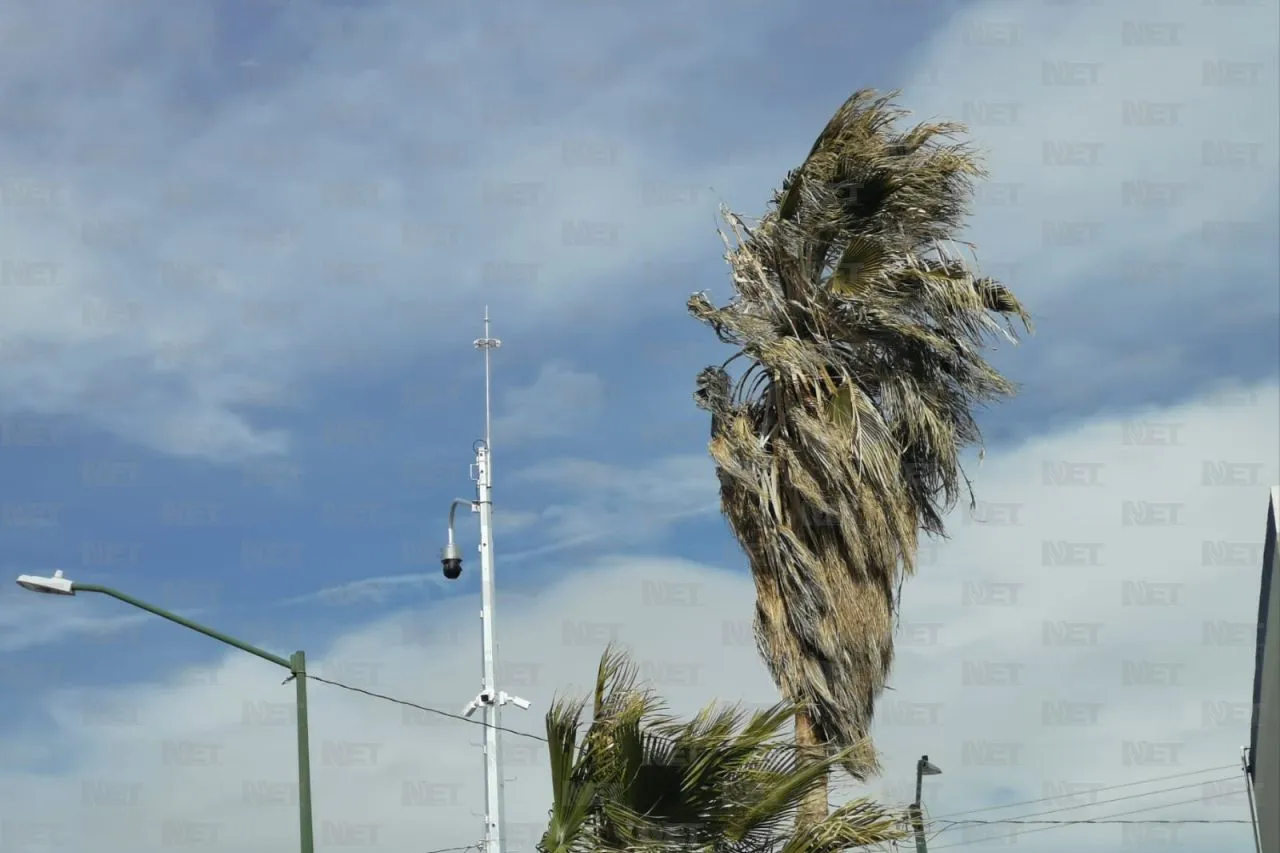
<point x="637" y="779"/>
<point x="572" y="796"/>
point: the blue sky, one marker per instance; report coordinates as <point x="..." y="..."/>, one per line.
<point x="248" y="246"/>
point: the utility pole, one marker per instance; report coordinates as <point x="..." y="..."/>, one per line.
<point x="490" y="698"/>
<point x="1246" y="764"/>
<point x="924" y="767"/>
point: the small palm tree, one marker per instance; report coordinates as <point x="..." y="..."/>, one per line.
<point x="637" y="779"/>
<point x="862" y="328"/>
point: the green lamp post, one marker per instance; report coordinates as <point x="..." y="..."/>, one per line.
<point x="296" y="664"/>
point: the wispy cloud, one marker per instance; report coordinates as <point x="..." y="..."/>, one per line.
<point x="377" y="590"/>
<point x="588" y="499"/>
<point x="592" y="507"/>
<point x="34" y="622"/>
<point x="559" y="402"/>
<point x="512" y="521"/>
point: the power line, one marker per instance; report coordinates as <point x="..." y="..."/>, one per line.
<point x="459" y="717"/>
<point x="1103" y="819"/>
<point x="436" y="711"/>
<point x="1216" y="820"/>
<point x="1025" y="819"/>
<point x="1096" y="803"/>
<point x="951" y="824"/>
<point x="1094" y="791"/>
<point x="1151" y="821"/>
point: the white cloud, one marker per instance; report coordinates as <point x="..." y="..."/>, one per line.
<point x="512" y="520"/>
<point x="1133" y="155"/>
<point x="197" y="237"/>
<point x="28" y="619"/>
<point x="370" y="590"/>
<point x="561" y="401"/>
<point x="192" y="232"/>
<point x="625" y="505"/>
<point x="977" y="668"/>
<point x="1073" y="114"/>
<point x="21" y="627"/>
<point x="605" y="507"/>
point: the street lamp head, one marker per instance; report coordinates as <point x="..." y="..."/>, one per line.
<point x="927" y="768"/>
<point x="451" y="560"/>
<point x="56" y="585"/>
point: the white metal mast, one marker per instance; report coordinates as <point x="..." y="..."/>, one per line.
<point x="491" y="699"/>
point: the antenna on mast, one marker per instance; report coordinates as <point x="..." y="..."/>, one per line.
<point x="486" y="344"/>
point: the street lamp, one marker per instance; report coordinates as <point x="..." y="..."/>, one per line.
<point x="296" y="664"/>
<point x="924" y="768"/>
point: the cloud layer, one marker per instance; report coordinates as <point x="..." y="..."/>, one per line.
<point x="1133" y="151"/>
<point x="188" y="243"/>
<point x="1089" y="626"/>
<point x="198" y="236"/>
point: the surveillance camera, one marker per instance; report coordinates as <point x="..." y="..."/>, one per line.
<point x="451" y="560"/>
<point x="523" y="704"/>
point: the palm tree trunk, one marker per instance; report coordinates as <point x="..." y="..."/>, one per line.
<point x="813" y="809"/>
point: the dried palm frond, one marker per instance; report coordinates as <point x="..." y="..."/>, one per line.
<point x="863" y="330"/>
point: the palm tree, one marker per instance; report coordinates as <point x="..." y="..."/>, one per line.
<point x="862" y="328"/>
<point x="637" y="779"/>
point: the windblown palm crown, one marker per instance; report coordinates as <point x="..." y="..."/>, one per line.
<point x="637" y="780"/>
<point x="862" y="327"/>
